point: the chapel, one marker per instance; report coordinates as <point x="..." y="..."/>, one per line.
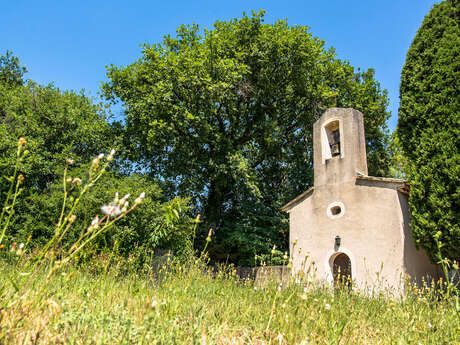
<point x="351" y="227"/>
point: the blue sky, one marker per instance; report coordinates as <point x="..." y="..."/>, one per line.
<point x="69" y="43"/>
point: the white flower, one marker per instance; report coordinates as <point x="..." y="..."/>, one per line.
<point x="154" y="303"/>
<point x="327" y="306"/>
<point x="111" y="210"/>
<point x="101" y="155"/>
<point x="95" y="221"/>
<point x="123" y="200"/>
<point x="139" y="198"/>
<point x="110" y="156"/>
<point x="430" y="325"/>
<point x="21" y="245"/>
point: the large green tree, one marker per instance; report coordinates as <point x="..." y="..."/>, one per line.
<point x="57" y="125"/>
<point x="226" y="117"/>
<point x="429" y="129"/>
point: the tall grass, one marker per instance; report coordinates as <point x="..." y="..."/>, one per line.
<point x="188" y="304"/>
<point x="46" y="298"/>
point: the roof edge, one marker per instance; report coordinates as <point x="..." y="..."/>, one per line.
<point x="380" y="179"/>
<point x="298" y="198"/>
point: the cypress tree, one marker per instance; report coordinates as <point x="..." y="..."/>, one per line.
<point x="429" y="130"/>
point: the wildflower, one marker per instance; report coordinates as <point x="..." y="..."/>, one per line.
<point x="208" y="239"/>
<point x="69" y="161"/>
<point x="101" y="155"/>
<point x="110" y="156"/>
<point x="115" y="200"/>
<point x="69" y="179"/>
<point x="22" y="141"/>
<point x="95" y="222"/>
<point x="285" y="256"/>
<point x="72" y="218"/>
<point x="21" y="178"/>
<point x="273" y="250"/>
<point x="13" y="247"/>
<point x="430" y="325"/>
<point x="123" y="200"/>
<point x="139" y="198"/>
<point x="2" y="246"/>
<point x="303" y="296"/>
<point x="111" y="210"/>
<point x="77" y="181"/>
<point x="327" y="306"/>
<point x="154" y="304"/>
<point x="21" y="245"/>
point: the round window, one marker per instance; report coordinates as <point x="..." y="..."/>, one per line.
<point x="335" y="210"/>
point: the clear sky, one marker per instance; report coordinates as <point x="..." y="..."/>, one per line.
<point x="70" y="42"/>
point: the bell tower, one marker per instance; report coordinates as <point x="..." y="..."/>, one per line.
<point x="339" y="146"/>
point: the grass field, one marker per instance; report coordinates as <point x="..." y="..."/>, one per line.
<point x="192" y="306"/>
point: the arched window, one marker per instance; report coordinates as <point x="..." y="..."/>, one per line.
<point x="330" y="140"/>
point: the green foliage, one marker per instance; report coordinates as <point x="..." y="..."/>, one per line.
<point x="147" y="229"/>
<point x="67" y="125"/>
<point x="429" y="130"/>
<point x="226" y="118"/>
<point x="57" y="125"/>
<point x="11" y="70"/>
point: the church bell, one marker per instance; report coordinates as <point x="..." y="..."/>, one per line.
<point x="335" y="144"/>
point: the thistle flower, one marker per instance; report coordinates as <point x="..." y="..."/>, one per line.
<point x="72" y="219"/>
<point x="111" y="210"/>
<point x="123" y="200"/>
<point x="154" y="304"/>
<point x="139" y="198"/>
<point x="125" y="207"/>
<point x="208" y="239"/>
<point x="110" y="156"/>
<point x="95" y="221"/>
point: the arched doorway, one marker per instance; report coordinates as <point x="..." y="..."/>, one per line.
<point x="341" y="270"/>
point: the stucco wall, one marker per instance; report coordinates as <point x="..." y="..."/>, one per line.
<point x="374" y="233"/>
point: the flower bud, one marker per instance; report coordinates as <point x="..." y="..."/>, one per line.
<point x="110" y="156"/>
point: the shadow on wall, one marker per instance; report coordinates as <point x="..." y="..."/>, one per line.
<point x="416" y="262"/>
